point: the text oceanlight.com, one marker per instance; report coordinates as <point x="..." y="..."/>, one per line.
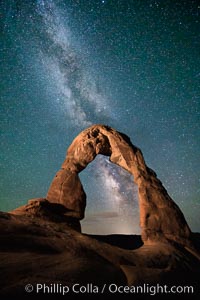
<point x="58" y="288"/>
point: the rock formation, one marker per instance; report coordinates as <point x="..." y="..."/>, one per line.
<point x="42" y="243"/>
<point x="160" y="217"/>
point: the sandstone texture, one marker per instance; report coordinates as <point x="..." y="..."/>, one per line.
<point x="160" y="217"/>
<point x="49" y="250"/>
<point x="41" y="242"/>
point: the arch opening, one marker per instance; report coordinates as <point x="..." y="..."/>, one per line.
<point x="112" y="199"/>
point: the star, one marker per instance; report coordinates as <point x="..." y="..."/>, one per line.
<point x="133" y="66"/>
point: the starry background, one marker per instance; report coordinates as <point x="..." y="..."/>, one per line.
<point x="133" y="65"/>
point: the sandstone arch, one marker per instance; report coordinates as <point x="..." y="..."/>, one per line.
<point x="160" y="217"/>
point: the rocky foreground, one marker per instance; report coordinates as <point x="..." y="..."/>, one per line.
<point x="39" y="244"/>
<point x="42" y="249"/>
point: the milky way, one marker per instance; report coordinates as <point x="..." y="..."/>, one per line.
<point x="78" y="96"/>
<point x="131" y="65"/>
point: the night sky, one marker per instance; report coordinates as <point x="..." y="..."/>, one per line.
<point x="133" y="65"/>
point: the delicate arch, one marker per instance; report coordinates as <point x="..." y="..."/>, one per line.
<point x="160" y="217"/>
